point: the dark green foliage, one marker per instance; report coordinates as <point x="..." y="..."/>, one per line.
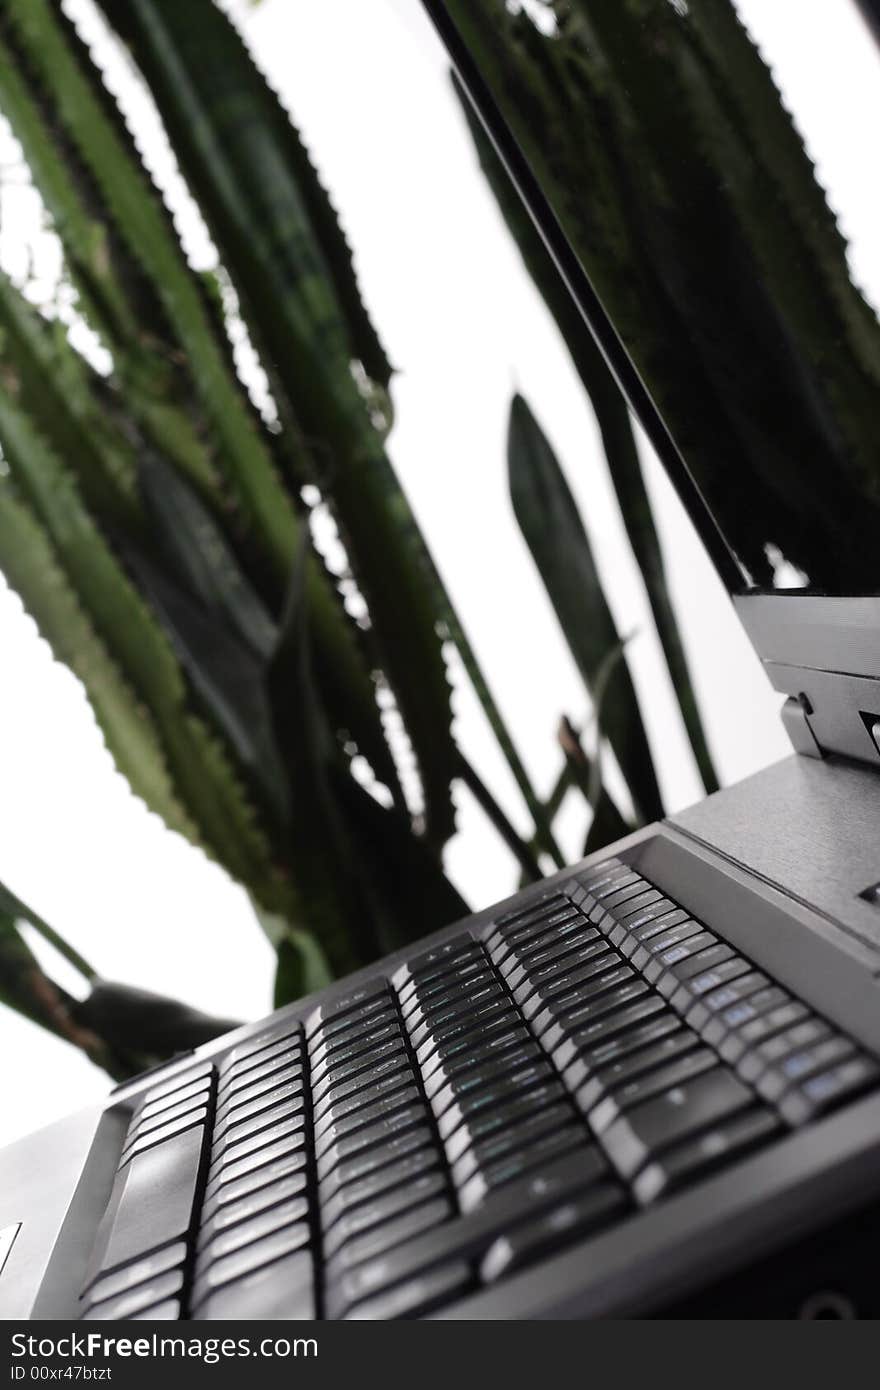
<point x="612" y="417"/>
<point x="549" y="520"/>
<point x="659" y="137"/>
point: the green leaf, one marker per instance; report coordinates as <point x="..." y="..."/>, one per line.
<point x="553" y="530"/>
<point x="267" y="157"/>
<point x="25" y="988"/>
<point x="14" y="908"/>
<point x="225" y="127"/>
<point x="612" y="416"/>
<point x="302" y="967"/>
<point x="317" y="843"/>
<point x="206" y="784"/>
<point x="192" y="549"/>
<point x="129" y="1019"/>
<point x="32" y="569"/>
<point x="607" y="823"/>
<point x="143" y="228"/>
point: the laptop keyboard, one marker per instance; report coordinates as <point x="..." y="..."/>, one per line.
<point x="499" y="1097"/>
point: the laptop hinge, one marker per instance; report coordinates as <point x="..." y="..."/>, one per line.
<point x="796" y="717"/>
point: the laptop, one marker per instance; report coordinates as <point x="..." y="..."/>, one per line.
<point x="648" y="1085"/>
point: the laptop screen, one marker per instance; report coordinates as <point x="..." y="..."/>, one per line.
<point x="714" y="167"/>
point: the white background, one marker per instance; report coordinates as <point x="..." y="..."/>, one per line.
<point x="368" y="87"/>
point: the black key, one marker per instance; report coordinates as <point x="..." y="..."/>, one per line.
<point x="385" y="1032"/>
<point x="392" y="1203"/>
<point x="659" y="942"/>
<point x="421" y="1027"/>
<point x="549" y="1005"/>
<point x="364" y="1164"/>
<point x="335" y="1027"/>
<point x="135" y="1300"/>
<point x="529" y="1129"/>
<point x="754" y="1062"/>
<point x="635" y="1064"/>
<point x="384" y="1237"/>
<point x="525" y="1160"/>
<point x="576" y="981"/>
<point x="424" y="1003"/>
<point x="644" y="926"/>
<point x="526" y="1078"/>
<point x="332" y="1110"/>
<point x="699" y="1157"/>
<point x="605" y="1028"/>
<point x="394" y="1048"/>
<point x="282" y="1290"/>
<point x="600" y="871"/>
<point x="493" y="1012"/>
<point x="669" y="1119"/>
<point x="751" y="1027"/>
<point x="571" y="1221"/>
<point x="452" y="1061"/>
<point x="247" y="1138"/>
<point x="473" y="1079"/>
<point x="586" y="1064"/>
<point x="708" y="980"/>
<point x="580" y="946"/>
<point x="287" y="1192"/>
<point x="351" y="1124"/>
<point x="215" y="1273"/>
<point x="368" y="1189"/>
<point x="226" y="1240"/>
<point x="431" y="964"/>
<point x="797" y="1066"/>
<point x="290" y="1095"/>
<point x="536" y="911"/>
<point x="716" y="1013"/>
<point x="169" y="1103"/>
<point x="679" y="954"/>
<point x="177" y="1082"/>
<point x="416" y="1296"/>
<point x="654" y="1083"/>
<point x="291" y="1170"/>
<point x="141" y="1272"/>
<point x="694" y="963"/>
<point x="289" y="1151"/>
<point x="590" y="879"/>
<point x="151" y="1203"/>
<point x="345" y="1044"/>
<point x="160" y="1135"/>
<point x="482" y="1126"/>
<point x="348" y="1004"/>
<point x="515" y="1203"/>
<point x="284" y="1062"/>
<point x="159" y="1312"/>
<point x="252" y="1046"/>
<point x="630" y="904"/>
<point x="557" y="1022"/>
<point x="249" y="1068"/>
<point x="390" y="1072"/>
<point x="822" y="1092"/>
<point x="376" y="1135"/>
<point x="633" y="915"/>
<point x="283" y="1085"/>
<point x="539" y="939"/>
<point x="615" y="889"/>
<point x="167" y="1120"/>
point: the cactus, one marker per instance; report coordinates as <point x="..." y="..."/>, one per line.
<point x="159" y="530"/>
<point x="659" y="137"/>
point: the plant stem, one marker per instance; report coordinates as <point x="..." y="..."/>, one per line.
<point x="484" y="798"/>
